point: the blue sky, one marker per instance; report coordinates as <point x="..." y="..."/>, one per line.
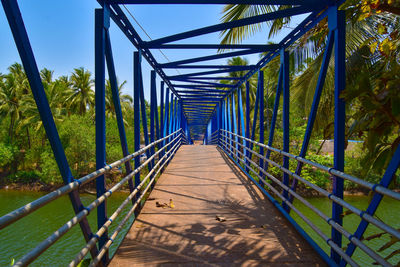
<point x="61" y="35"/>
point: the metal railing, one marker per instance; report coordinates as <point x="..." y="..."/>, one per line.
<point x="237" y="148"/>
<point x="164" y="155"/>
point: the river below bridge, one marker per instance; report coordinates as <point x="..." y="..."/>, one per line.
<point x="24" y="235"/>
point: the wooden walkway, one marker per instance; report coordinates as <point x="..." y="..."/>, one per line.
<point x="204" y="184"/>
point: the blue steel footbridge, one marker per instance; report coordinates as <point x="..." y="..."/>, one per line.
<point x="202" y="107"/>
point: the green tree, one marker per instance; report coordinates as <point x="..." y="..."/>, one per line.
<point x="125" y="100"/>
<point x="82" y="95"/>
<point x="13" y="87"/>
<point x="371" y="50"/>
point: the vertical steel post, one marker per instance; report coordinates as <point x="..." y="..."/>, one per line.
<point x="247" y="122"/>
<point x="117" y="105"/>
<point x="136" y="110"/>
<point x="152" y="110"/>
<point x="171" y="115"/>
<point x="101" y="23"/>
<point x="253" y="129"/>
<point x="180" y="126"/>
<point x="314" y="107"/>
<point x="166" y="117"/>
<point x="224" y="120"/>
<point x="156" y="114"/>
<point x="22" y="42"/>
<point x="144" y="117"/>
<point x="218" y="121"/>
<point x="229" y="120"/>
<point x="176" y="115"/>
<point x="285" y="118"/>
<point x="234" y="120"/>
<point x="336" y="21"/>
<point x="274" y="115"/>
<point x="162" y="109"/>
<point x="261" y="138"/>
<point x="241" y="116"/>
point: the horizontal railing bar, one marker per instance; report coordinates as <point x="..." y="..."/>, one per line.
<point x="374" y="187"/>
<point x="362" y="214"/>
<point x="44" y="245"/>
<point x="303" y="217"/>
<point x="327" y="219"/>
<point x="17" y="214"/>
<point x="122" y="223"/>
<point x="92" y="242"/>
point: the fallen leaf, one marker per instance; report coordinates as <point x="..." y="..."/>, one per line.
<point x="171" y="204"/>
<point x="220" y="219"/>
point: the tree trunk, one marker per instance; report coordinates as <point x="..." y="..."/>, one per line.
<point x="11" y="129"/>
<point x="320" y="147"/>
<point x="29" y="137"/>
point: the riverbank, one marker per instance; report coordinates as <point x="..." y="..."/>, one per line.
<point x="90" y="188"/>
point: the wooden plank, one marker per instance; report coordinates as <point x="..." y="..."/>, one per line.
<point x="203" y="184"/>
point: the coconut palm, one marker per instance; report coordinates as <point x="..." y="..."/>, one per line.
<point x="82" y="97"/>
<point x="125" y="100"/>
<point x="13" y="87"/>
<point x="366" y="27"/>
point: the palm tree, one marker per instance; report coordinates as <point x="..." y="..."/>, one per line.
<point x="82" y="97"/>
<point x="57" y="94"/>
<point x="372" y="44"/>
<point x="125" y="100"/>
<point x="13" y="87"/>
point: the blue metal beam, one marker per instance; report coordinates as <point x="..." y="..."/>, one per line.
<point x="234" y="24"/>
<point x="247" y="134"/>
<point x="117" y="105"/>
<point x="285" y="119"/>
<point x="101" y="23"/>
<point x="120" y="19"/>
<point x="253" y="131"/>
<point x="162" y="109"/>
<point x="261" y="127"/>
<point x="337" y="22"/>
<point x="136" y="110"/>
<point x="274" y="115"/>
<point x="144" y="117"/>
<point x="264" y="47"/>
<point x="192" y="75"/>
<point x="210" y="57"/>
<point x="313" y="19"/>
<point x="194" y="79"/>
<point x="314" y="107"/>
<point x="23" y="45"/>
<point x="227" y="67"/>
<point x="234" y="122"/>
<point x="153" y="110"/>
<point x="204" y="86"/>
<point x="166" y="117"/>
<point x="197" y="91"/>
<point x="220" y="2"/>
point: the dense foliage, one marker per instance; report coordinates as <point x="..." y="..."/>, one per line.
<point x="25" y="153"/>
<point x="372" y="86"/>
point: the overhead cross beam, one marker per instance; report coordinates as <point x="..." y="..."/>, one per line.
<point x="236" y="23"/>
<point x="221" y="2"/>
<point x="265" y="47"/>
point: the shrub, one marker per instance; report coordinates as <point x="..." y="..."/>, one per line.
<point x="49" y="173"/>
<point x="25" y="177"/>
<point x="7" y="154"/>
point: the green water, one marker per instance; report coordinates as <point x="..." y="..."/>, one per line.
<point x="21" y="237"/>
<point x="388" y="212"/>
